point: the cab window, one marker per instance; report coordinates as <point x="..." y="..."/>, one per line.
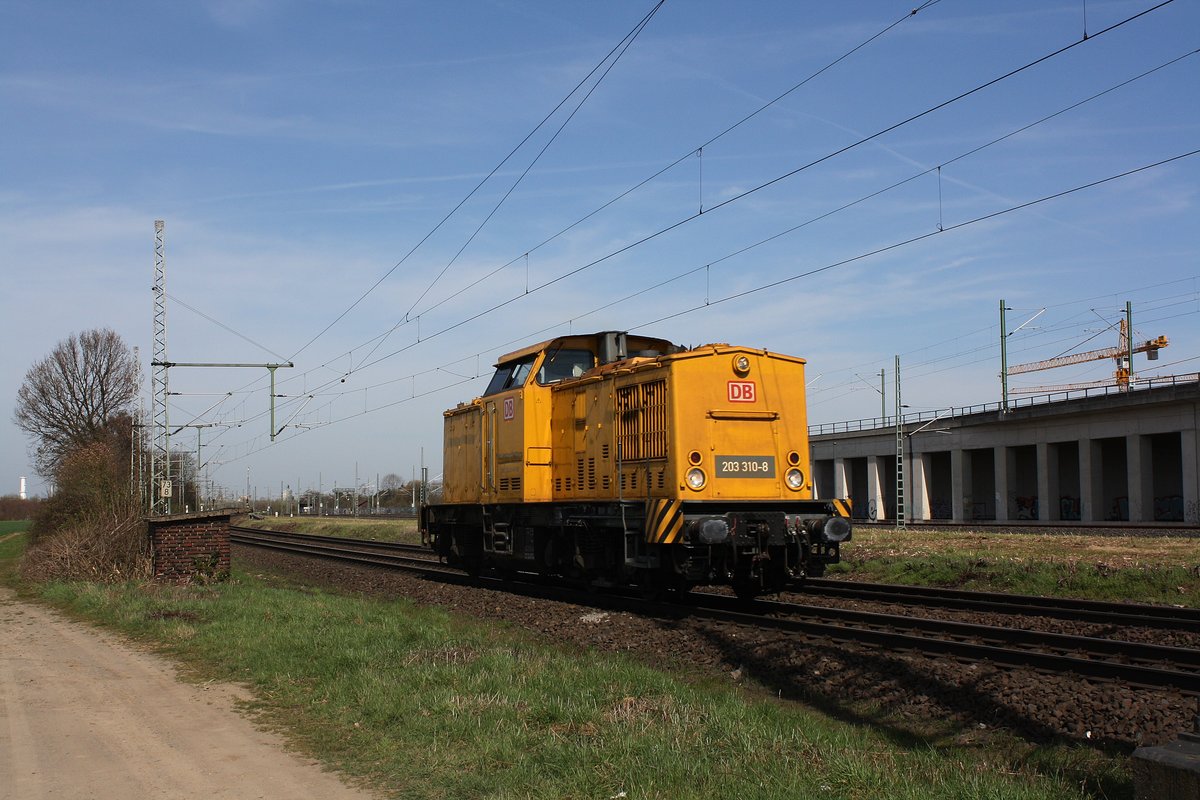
<point x="562" y="364"/>
<point x="510" y="375"/>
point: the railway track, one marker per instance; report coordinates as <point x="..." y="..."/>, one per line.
<point x="1051" y="528"/>
<point x="1130" y="614"/>
<point x="1102" y="659"/>
<point x="357" y="551"/>
<point x="1137" y="664"/>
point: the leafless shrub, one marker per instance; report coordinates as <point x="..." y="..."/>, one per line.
<point x="105" y="549"/>
<point x="13" y="507"/>
<point x="92" y="528"/>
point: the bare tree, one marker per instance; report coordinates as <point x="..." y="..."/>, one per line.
<point x="74" y="396"/>
<point x="391" y="482"/>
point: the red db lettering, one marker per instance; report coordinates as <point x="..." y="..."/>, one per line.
<point x="741" y="392"/>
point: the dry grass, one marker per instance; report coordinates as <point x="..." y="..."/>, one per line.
<point x="1124" y="552"/>
<point x="111" y="549"/>
<point x="383" y="530"/>
<point x="1149" y="569"/>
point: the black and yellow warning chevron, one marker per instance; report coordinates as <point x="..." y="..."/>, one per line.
<point x="664" y="521"/>
<point x="839" y="508"/>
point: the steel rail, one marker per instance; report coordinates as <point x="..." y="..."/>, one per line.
<point x="402" y="547"/>
<point x="1135" y="674"/>
<point x="1182" y="657"/>
<point x="886" y="630"/>
<point x="353" y="550"/>
<point x="1133" y="614"/>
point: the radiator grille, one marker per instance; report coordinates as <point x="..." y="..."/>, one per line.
<point x="642" y="421"/>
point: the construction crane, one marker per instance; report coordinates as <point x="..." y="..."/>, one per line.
<point x="1122" y="354"/>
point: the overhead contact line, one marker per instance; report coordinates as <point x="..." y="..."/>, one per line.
<point x="798" y="276"/>
<point x="407" y="317"/>
<point x="790" y="174"/>
<point x="771" y="182"/>
<point x="625" y="41"/>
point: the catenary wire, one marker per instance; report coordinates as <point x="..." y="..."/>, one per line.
<point x="952" y="160"/>
<point x="877" y="251"/>
<point x="477" y="187"/>
<point x="626" y="45"/>
<point x="362" y="366"/>
<point x="708" y="142"/>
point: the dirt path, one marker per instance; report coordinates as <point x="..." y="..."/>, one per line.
<point x="83" y="715"/>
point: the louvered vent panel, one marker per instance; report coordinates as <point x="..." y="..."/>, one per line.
<point x="642" y="420"/>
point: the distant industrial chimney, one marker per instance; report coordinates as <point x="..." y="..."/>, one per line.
<point x="22" y="493"/>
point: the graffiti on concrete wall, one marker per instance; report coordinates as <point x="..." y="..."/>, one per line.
<point x="1069" y="508"/>
<point x="1027" y="507"/>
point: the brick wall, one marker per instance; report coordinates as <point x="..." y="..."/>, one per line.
<point x="190" y="547"/>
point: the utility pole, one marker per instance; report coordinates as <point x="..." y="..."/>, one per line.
<point x="137" y="466"/>
<point x="1003" y="359"/>
<point x="199" y="487"/>
<point x="1128" y="347"/>
<point x="882" y="399"/>
<point x="901" y="511"/>
<point x="160" y="452"/>
<point x="160" y="448"/>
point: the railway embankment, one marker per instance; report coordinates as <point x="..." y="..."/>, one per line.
<point x="420" y="686"/>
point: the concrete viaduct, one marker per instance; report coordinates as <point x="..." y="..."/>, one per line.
<point x="1076" y="457"/>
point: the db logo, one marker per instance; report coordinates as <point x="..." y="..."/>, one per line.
<point x="741" y="392"/>
<point x="509" y="407"/>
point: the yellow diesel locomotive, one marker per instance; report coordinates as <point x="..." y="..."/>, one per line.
<point x="620" y="459"/>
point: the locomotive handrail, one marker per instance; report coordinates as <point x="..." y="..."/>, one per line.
<point x="766" y="416"/>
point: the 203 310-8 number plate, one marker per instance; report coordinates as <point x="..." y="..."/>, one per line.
<point x="745" y="466"/>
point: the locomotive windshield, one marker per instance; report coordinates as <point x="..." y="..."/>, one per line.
<point x="510" y="375"/>
<point x="562" y="364"/>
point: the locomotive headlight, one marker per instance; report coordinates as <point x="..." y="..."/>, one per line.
<point x="741" y="365"/>
<point x="696" y="479"/>
<point x="795" y="479"/>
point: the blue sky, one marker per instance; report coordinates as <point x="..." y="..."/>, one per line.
<point x="299" y="149"/>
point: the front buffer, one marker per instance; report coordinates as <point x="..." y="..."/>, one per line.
<point x="755" y="547"/>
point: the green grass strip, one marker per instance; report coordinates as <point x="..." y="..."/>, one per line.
<point x="429" y="706"/>
<point x="1136" y="569"/>
<point x="8" y="526"/>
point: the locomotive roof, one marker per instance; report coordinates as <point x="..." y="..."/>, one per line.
<point x="587" y="341"/>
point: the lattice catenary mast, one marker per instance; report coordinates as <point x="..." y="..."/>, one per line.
<point x="160" y="448"/>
